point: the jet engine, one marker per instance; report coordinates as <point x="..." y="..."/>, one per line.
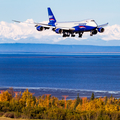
<point x="58" y="30"/>
<point x="94" y="32"/>
<point x="101" y="30"/>
<point x="40" y="28"/>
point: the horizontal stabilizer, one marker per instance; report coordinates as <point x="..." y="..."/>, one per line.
<point x="23" y="22"/>
<point x="36" y="24"/>
<point x="16" y="21"/>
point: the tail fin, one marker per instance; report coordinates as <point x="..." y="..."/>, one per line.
<point x="52" y="19"/>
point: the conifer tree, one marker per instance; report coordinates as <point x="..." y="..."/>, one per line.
<point x="92" y="96"/>
<point x="77" y="101"/>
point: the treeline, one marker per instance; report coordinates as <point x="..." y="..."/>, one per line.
<point x="25" y="105"/>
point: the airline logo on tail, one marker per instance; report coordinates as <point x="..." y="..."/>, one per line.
<point x="51" y="18"/>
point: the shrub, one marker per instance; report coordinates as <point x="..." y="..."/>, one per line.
<point x="17" y="115"/>
<point x="5" y="109"/>
<point x="9" y="114"/>
<point x="6" y="114"/>
<point x="1" y="114"/>
<point x="23" y="116"/>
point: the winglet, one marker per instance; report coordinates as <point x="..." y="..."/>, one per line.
<point x="52" y="19"/>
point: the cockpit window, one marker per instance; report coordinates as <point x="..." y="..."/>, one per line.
<point x="92" y="21"/>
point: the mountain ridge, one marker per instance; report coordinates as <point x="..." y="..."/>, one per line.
<point x="29" y="47"/>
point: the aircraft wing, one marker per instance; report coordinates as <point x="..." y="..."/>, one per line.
<point x="36" y="24"/>
<point x="49" y="26"/>
<point x="46" y="25"/>
<point x="99" y="26"/>
<point x="67" y="28"/>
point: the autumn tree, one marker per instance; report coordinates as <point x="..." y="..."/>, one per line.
<point x="5" y="96"/>
<point x="27" y="99"/>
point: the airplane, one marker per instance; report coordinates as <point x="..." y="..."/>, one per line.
<point x="70" y="28"/>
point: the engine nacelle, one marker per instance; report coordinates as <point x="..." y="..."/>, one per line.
<point x="40" y="28"/>
<point x="101" y="30"/>
<point x="94" y="32"/>
<point x="58" y="30"/>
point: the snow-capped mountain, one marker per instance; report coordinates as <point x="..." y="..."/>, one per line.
<point x="22" y="32"/>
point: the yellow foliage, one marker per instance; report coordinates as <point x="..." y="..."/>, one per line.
<point x="5" y="96"/>
<point x="27" y="99"/>
<point x="79" y="107"/>
<point x="111" y="107"/>
<point x="91" y="105"/>
<point x="71" y="106"/>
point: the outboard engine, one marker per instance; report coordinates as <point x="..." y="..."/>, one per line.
<point x="40" y="28"/>
<point x="101" y="30"/>
<point x="58" y="30"/>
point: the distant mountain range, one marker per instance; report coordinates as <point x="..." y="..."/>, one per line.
<point x="55" y="48"/>
<point x="27" y="33"/>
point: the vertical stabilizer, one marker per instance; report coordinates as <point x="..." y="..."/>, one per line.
<point x="52" y="19"/>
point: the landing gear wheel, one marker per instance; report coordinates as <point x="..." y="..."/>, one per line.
<point x="72" y="35"/>
<point x="80" y="35"/>
<point x="64" y="35"/>
<point x="91" y="34"/>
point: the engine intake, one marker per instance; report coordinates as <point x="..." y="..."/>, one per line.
<point x="58" y="30"/>
<point x="101" y="30"/>
<point x="40" y="28"/>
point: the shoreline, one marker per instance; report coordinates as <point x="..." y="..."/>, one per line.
<point x="72" y="93"/>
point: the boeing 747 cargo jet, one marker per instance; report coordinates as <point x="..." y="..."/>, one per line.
<point x="70" y="28"/>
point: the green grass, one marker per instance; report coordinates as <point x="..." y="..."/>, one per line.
<point x="4" y="118"/>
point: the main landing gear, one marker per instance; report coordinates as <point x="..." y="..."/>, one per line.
<point x="67" y="34"/>
<point x="72" y="35"/>
<point x="91" y="34"/>
<point x="80" y="35"/>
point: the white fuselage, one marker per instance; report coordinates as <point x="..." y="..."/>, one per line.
<point x="73" y="24"/>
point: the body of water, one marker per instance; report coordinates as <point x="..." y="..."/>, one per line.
<point x="61" y="74"/>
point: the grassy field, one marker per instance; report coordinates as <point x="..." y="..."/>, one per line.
<point x="4" y="118"/>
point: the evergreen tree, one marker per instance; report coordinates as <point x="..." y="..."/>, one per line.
<point x="77" y="101"/>
<point x="92" y="96"/>
<point x="111" y="96"/>
<point x="106" y="100"/>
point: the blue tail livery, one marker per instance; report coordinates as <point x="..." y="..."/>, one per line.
<point x="52" y="19"/>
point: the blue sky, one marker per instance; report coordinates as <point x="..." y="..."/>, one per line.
<point x="65" y="10"/>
